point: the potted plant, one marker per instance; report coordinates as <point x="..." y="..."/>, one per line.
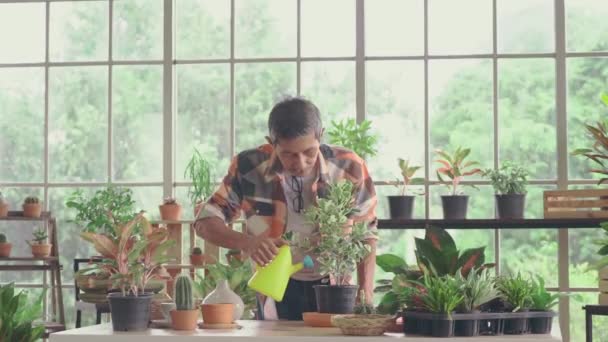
<point x="402" y="206"/>
<point x="602" y="265"/>
<point x="598" y="152"/>
<point x="40" y="249"/>
<point x="32" y="207"/>
<point x="509" y="183"/>
<point x="455" y="168"/>
<point x="365" y="321"/>
<point x="442" y="296"/>
<point x="197" y="257"/>
<point x="170" y="210"/>
<point x="5" y="247"/>
<point x="477" y="289"/>
<point x="357" y="138"/>
<point x="132" y="258"/>
<point x="185" y="315"/>
<point x="3" y="206"/>
<point x="338" y="246"/>
<point x="198" y="171"/>
<point x="542" y="300"/>
<point x="517" y="291"/>
<point x="18" y="315"/>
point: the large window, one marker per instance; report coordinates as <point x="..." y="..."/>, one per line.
<point x="121" y="91"/>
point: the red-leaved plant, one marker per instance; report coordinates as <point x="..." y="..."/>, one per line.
<point x="455" y="168"/>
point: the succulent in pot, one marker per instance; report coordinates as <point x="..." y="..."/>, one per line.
<point x="185" y="315"/>
<point x="5" y="247"/>
<point x="509" y="182"/>
<point x="455" y="168"/>
<point x="32" y="207"/>
<point x="40" y="249"/>
<point x="197" y="257"/>
<point x="170" y="210"/>
<point x="402" y="206"/>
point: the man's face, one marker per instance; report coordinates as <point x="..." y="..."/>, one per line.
<point x="298" y="155"/>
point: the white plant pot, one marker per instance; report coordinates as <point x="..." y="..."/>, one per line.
<point x="224" y="295"/>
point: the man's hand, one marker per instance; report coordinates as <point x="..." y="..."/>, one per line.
<point x="263" y="249"/>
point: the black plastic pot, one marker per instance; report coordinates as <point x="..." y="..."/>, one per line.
<point x="491" y="327"/>
<point x="442" y="327"/>
<point x="336" y="299"/>
<point x="516" y="326"/>
<point x="510" y="206"/>
<point x="130" y="313"/>
<point x="401" y="207"/>
<point x="467" y="327"/>
<point x="541" y="325"/>
<point x="455" y="207"/>
<point x="410" y="324"/>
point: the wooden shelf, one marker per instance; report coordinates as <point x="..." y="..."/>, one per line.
<point x="27" y="267"/>
<point x="18" y="216"/>
<point x="492" y="223"/>
<point x="28" y="259"/>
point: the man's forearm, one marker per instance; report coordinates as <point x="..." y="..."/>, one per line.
<point x="365" y="272"/>
<point x="214" y="230"/>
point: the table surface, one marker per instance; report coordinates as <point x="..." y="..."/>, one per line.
<point x="258" y="331"/>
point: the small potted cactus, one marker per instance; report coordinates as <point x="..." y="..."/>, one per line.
<point x="5" y="247"/>
<point x="197" y="257"/>
<point x="40" y="249"/>
<point x="170" y="210"/>
<point x="185" y="315"/>
<point x="32" y="207"/>
<point x="3" y="206"/>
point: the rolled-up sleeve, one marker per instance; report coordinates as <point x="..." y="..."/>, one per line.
<point x="225" y="202"/>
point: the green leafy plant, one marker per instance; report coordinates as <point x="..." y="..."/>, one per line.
<point x="510" y="178"/>
<point x="455" y="168"/>
<point x="357" y="138"/>
<point x="540" y="298"/>
<point x="93" y="214"/>
<point x="407" y="176"/>
<point x="603" y="250"/>
<point x="18" y="315"/>
<point x="3" y="238"/>
<point x="437" y="254"/>
<point x="477" y="289"/>
<point x="338" y="248"/>
<point x="199" y="172"/>
<point x="184" y="299"/>
<point x="398" y="291"/>
<point x="442" y="294"/>
<point x="31" y="200"/>
<point x="40" y="236"/>
<point x="517" y="291"/>
<point x="598" y="152"/>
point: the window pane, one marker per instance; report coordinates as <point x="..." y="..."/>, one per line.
<point x="78" y="31"/>
<point x="331" y="86"/>
<point x="22" y="125"/>
<point x="534" y="200"/>
<point x="394" y="27"/>
<point x="28" y="45"/>
<point x="137" y="31"/>
<point x="265" y="28"/>
<point x="137" y="121"/>
<point x="202" y="29"/>
<point x="481" y="201"/>
<point x="583" y="254"/>
<point x="577" y="318"/>
<point x="258" y="87"/>
<point x="585" y="86"/>
<point x="526" y="111"/>
<point x="328" y="28"/>
<point x="460" y="106"/>
<point x="529" y="251"/>
<point x="203" y="115"/>
<point x="78" y="123"/>
<point x="148" y="198"/>
<point x="586" y="25"/>
<point x="398" y="120"/>
<point x="460" y="27"/>
<point x="535" y="28"/>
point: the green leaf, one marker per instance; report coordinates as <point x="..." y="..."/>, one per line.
<point x="391" y="263"/>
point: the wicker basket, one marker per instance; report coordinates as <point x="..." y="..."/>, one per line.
<point x="362" y="325"/>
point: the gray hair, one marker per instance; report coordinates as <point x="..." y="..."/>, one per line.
<point x="292" y="118"/>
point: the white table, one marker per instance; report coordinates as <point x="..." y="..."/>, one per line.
<point x="259" y="331"/>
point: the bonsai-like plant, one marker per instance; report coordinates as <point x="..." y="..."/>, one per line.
<point x="442" y="294"/>
<point x="40" y="236"/>
<point x="338" y="249"/>
<point x="437" y="254"/>
<point x="18" y="315"/>
<point x="455" y="168"/>
<point x="199" y="171"/>
<point x="364" y="308"/>
<point x="598" y="152"/>
<point x="92" y="213"/>
<point x="407" y="176"/>
<point x="540" y="298"/>
<point x="31" y="200"/>
<point x="517" y="291"/>
<point x="356" y="138"/>
<point x="477" y="289"/>
<point x="510" y="178"/>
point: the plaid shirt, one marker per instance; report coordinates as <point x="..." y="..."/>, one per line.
<point x="253" y="187"/>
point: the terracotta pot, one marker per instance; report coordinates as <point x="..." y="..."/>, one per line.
<point x="41" y="250"/>
<point x="32" y="209"/>
<point x="184" y="319"/>
<point x="197" y="259"/>
<point x="3" y="209"/>
<point x="217" y="313"/>
<point x="5" y="250"/>
<point x="170" y="212"/>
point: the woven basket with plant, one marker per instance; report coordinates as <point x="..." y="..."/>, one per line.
<point x="365" y="321"/>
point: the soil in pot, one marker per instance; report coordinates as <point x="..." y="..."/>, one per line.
<point x="41" y="250"/>
<point x="442" y="327"/>
<point x="401" y="207"/>
<point x="218" y="313"/>
<point x="510" y="206"/>
<point x="170" y="212"/>
<point x="336" y="299"/>
<point x="5" y="250"/>
<point x="184" y="319"/>
<point x="130" y="313"/>
<point x="541" y="325"/>
<point x="455" y="207"/>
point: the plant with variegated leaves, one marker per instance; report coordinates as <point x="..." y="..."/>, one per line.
<point x="455" y="168"/>
<point x="407" y="176"/>
<point x="599" y="151"/>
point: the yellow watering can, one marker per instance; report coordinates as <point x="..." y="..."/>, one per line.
<point x="271" y="280"/>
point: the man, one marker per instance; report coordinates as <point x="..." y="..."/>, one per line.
<point x="272" y="185"/>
